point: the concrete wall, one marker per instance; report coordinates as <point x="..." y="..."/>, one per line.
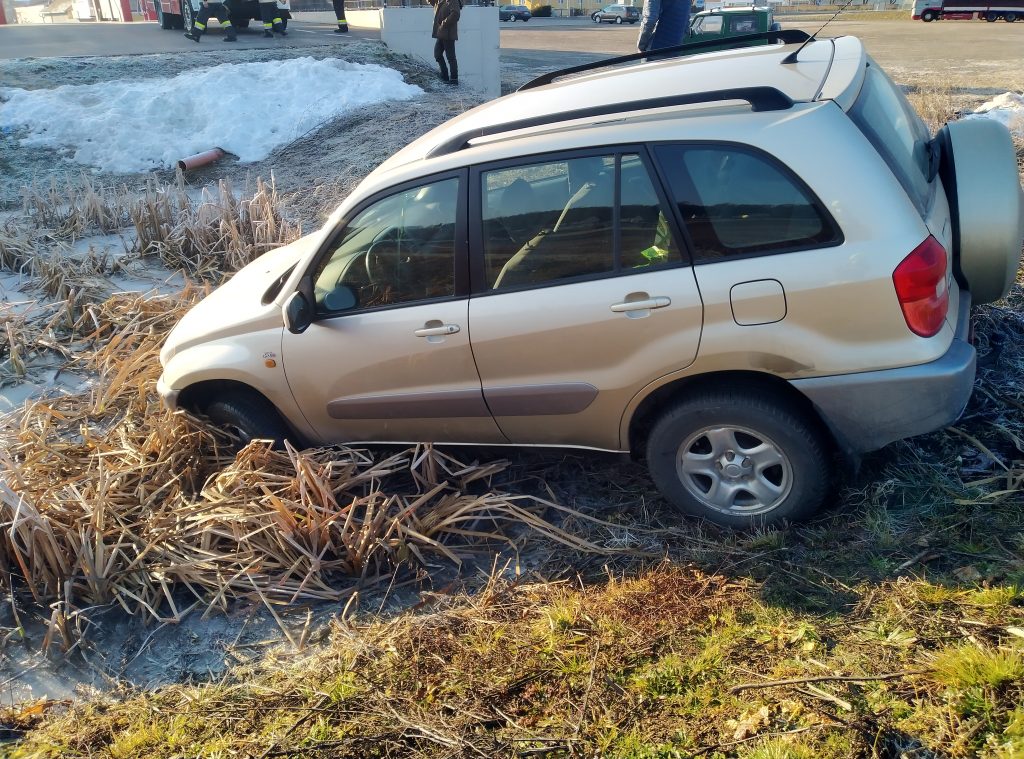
<point x="407" y="31"/>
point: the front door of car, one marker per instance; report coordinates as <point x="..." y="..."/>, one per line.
<point x="387" y="357"/>
<point x="582" y="294"/>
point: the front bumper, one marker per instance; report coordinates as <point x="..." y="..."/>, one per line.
<point x="167" y="395"/>
<point x="868" y="410"/>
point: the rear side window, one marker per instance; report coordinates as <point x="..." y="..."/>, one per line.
<point x="738" y="202"/>
<point x="889" y="122"/>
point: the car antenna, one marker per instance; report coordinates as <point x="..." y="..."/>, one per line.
<point x="791" y="58"/>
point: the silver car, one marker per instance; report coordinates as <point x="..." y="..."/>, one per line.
<point x="741" y="266"/>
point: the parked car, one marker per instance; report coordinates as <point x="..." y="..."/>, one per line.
<point x="731" y="22"/>
<point x="617" y="14"/>
<point x="514" y="13"/>
<point x="744" y="296"/>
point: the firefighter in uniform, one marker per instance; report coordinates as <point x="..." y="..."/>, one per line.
<point x="273" y="19"/>
<point x="339" y="12"/>
<point x="221" y="12"/>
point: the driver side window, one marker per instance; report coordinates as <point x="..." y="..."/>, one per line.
<point x="398" y="250"/>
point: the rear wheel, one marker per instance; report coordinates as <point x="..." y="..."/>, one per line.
<point x="248" y="416"/>
<point x="1010" y="18"/>
<point x="188" y="15"/>
<point x="618" y="19"/>
<point x="991" y="16"/>
<point x="739" y="458"/>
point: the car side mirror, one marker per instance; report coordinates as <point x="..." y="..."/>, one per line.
<point x="298" y="314"/>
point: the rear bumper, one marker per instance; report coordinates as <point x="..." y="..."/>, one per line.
<point x="868" y="410"/>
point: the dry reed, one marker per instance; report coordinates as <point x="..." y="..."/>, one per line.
<point x="105" y="497"/>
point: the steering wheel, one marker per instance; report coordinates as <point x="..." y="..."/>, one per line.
<point x="382" y="261"/>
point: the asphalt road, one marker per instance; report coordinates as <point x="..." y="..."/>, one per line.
<point x="968" y="53"/>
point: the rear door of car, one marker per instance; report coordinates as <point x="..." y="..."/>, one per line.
<point x="582" y="293"/>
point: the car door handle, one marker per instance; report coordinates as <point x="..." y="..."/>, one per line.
<point x="444" y="329"/>
<point x="659" y="301"/>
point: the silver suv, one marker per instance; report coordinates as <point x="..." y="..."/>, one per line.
<point x="743" y="266"/>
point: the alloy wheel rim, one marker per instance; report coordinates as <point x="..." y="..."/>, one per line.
<point x="734" y="470"/>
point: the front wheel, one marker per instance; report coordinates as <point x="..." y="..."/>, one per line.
<point x="248" y="416"/>
<point x="739" y="458"/>
<point x="618" y="19"/>
<point x="928" y="16"/>
<point x="991" y="16"/>
<point x="1010" y="18"/>
<point x="188" y="15"/>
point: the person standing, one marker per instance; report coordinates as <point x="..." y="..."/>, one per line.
<point x="446" y="31"/>
<point x="339" y="13"/>
<point x="272" y="21"/>
<point x="218" y="10"/>
<point x="663" y="23"/>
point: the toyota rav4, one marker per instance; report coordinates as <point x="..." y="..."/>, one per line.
<point x="743" y="266"/>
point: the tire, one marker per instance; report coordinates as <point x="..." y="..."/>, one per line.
<point x="703" y="455"/>
<point x="990" y="17"/>
<point x="928" y="16"/>
<point x="164" y="19"/>
<point x="979" y="174"/>
<point x="618" y="19"/>
<point x="188" y="15"/>
<point x="241" y="23"/>
<point x="248" y="416"/>
<point x="1010" y="18"/>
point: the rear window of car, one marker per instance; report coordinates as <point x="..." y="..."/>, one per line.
<point x="736" y="201"/>
<point x="890" y="123"/>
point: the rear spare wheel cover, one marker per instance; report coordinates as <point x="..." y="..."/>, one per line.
<point x="979" y="171"/>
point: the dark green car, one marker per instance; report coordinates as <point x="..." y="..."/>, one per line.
<point x="731" y="22"/>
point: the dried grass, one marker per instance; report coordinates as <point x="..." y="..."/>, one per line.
<point x="106" y="497"/>
<point x="220" y="233"/>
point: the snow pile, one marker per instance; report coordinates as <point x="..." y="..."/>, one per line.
<point x="1007" y="108"/>
<point x="248" y="109"/>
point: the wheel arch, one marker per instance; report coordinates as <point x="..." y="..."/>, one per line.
<point x="647" y="412"/>
<point x="197" y="396"/>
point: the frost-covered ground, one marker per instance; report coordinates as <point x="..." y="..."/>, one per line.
<point x="138" y="125"/>
<point x="43" y="132"/>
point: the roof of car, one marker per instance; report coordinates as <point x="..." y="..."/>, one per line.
<point x="747" y="68"/>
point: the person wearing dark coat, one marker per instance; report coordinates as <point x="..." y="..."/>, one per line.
<point x="446" y="31"/>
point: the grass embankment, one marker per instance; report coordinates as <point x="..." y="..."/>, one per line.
<point x="893" y="626"/>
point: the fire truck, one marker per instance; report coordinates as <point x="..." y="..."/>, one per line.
<point x="933" y="10"/>
<point x="179" y="14"/>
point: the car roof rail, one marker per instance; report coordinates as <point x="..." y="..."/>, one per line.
<point x="785" y="36"/>
<point x="760" y="99"/>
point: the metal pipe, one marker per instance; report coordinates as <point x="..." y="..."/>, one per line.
<point x="200" y="159"/>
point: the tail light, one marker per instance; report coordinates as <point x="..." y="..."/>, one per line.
<point x="921" y="287"/>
